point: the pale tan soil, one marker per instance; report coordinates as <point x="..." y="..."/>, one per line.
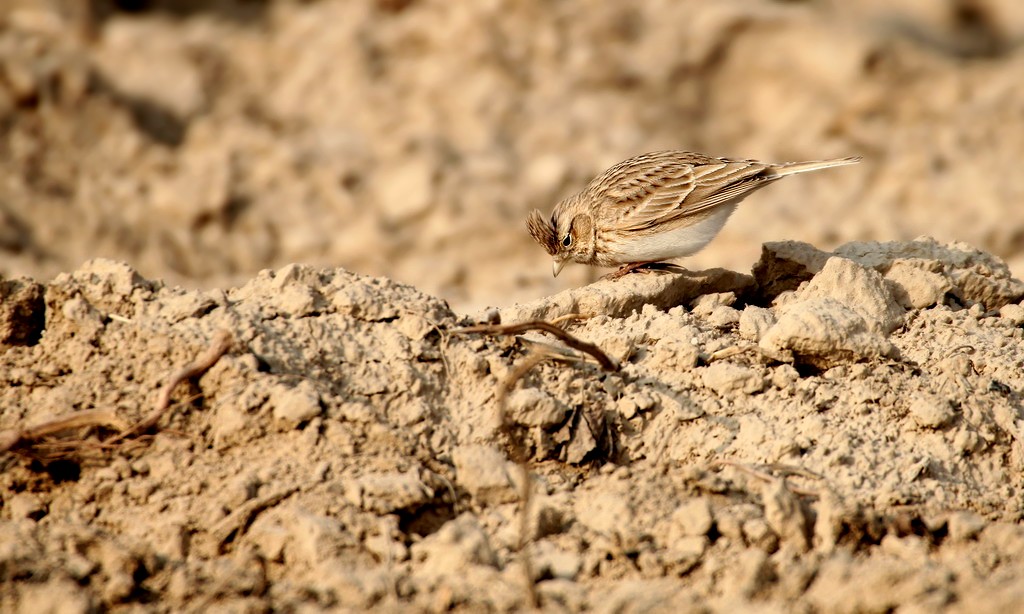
<point x="838" y="430"/>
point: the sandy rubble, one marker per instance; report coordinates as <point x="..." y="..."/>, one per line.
<point x="809" y="437"/>
<point x="410" y="139"/>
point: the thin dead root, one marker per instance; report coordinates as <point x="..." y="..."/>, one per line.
<point x="505" y="387"/>
<point x="535" y="356"/>
<point x="733" y="350"/>
<point x="204" y="362"/>
<point x="765" y="476"/>
<point x="607" y="363"/>
<point x="570" y="317"/>
<point x="62" y="438"/>
<point x="526" y="499"/>
<point x="232" y="526"/>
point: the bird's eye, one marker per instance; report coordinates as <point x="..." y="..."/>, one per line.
<point x="567" y="241"/>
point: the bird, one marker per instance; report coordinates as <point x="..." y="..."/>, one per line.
<point x="654" y="207"/>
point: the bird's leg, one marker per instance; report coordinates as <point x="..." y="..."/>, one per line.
<point x="642" y="267"/>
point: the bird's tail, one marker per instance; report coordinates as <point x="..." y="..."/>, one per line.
<point x="791" y="168"/>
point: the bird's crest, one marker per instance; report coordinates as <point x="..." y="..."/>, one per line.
<point x="543" y="231"/>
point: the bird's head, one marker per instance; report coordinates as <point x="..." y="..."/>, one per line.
<point x="568" y="235"/>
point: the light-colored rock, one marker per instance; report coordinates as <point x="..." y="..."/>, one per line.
<point x="931" y="411"/>
<point x="724" y="316"/>
<point x="533" y="407"/>
<point x="488" y="476"/>
<point x="860" y="289"/>
<point x="554" y="562"/>
<point x="727" y="378"/>
<point x="974" y="275"/>
<point x="673" y="353"/>
<point x="295" y="405"/>
<point x="461" y="543"/>
<point x="977" y="276"/>
<point x="620" y="297"/>
<point x="693" y="518"/>
<point x="823" y="333"/>
<point x="1013" y="312"/>
<point x="964" y="525"/>
<point x="25" y="505"/>
<point x="385" y="493"/>
<point x="784" y="265"/>
<point x="918" y="283"/>
<point x="609" y="513"/>
<point x="755" y="321"/>
<point x="704" y="305"/>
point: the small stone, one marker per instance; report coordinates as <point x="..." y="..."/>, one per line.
<point x="964" y="525"/>
<point x="552" y="562"/>
<point x="784" y="376"/>
<point x="294" y="406"/>
<point x="930" y="411"/>
<point x="609" y="513"/>
<point x="26" y="505"/>
<point x="724" y="316"/>
<point x="824" y="333"/>
<point x="486" y="474"/>
<point x="314" y="538"/>
<point x="1013" y="312"/>
<point x="533" y="407"/>
<point x="22" y="311"/>
<point x="693" y="518"/>
<point x="755" y="321"/>
<point x="728" y="378"/>
<point x="457" y="546"/>
<point x="759" y="534"/>
<point x="673" y="354"/>
<point x="917" y="284"/>
<point x="704" y="305"/>
<point x="386" y="493"/>
<point x="861" y="289"/>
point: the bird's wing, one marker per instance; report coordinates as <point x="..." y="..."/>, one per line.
<point x="669" y="191"/>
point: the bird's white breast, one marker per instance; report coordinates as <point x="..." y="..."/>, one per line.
<point x="676" y="243"/>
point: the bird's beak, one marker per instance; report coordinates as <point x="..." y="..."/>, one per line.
<point x="556" y="267"/>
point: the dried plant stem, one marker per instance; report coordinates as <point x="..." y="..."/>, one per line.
<point x="32" y="438"/>
<point x="607" y="363"/>
<point x="204" y="362"/>
<point x="768" y="477"/>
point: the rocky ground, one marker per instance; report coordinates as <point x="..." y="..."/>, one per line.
<point x="838" y="432"/>
<point x="211" y="413"/>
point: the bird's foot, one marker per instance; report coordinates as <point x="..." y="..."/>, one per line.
<point x="645" y="267"/>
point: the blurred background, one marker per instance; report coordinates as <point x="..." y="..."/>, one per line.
<point x="204" y="140"/>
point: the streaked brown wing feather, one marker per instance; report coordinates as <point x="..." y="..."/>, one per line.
<point x="669" y="192"/>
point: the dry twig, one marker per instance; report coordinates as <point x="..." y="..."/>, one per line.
<point x="607" y="363"/>
<point x="764" y="476"/>
<point x="14" y="438"/>
<point x="37" y="437"/>
<point x="531" y="360"/>
<point x="218" y="347"/>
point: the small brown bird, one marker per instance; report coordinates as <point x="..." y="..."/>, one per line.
<point x="654" y="207"/>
